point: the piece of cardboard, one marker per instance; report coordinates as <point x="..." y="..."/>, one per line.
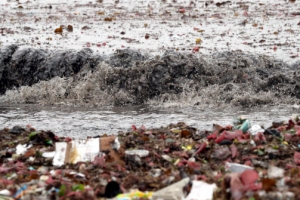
<point x="114" y="156"/>
<point x="105" y="142"/>
<point x="85" y="150"/>
<point x="60" y="153"/>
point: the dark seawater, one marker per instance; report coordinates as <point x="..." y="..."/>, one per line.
<point x="129" y="77"/>
<point x="80" y="93"/>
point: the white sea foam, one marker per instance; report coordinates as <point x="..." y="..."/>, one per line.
<point x="256" y="26"/>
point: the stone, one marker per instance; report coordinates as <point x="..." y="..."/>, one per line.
<point x="17" y="130"/>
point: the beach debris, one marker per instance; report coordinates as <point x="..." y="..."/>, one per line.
<point x="275" y="172"/>
<point x="136" y="194"/>
<point x="243" y="125"/>
<point x="70" y="28"/>
<point x="174" y="191"/>
<point x="140" y="153"/>
<point x="112" y="189"/>
<point x="17" y="130"/>
<point x="255" y="129"/>
<point x="82" y="150"/>
<point x="237" y="168"/>
<point x="239" y="183"/>
<point x="22" y="148"/>
<point x="198" y="40"/>
<point x="59" y="30"/>
<point x="201" y="191"/>
<point x="160" y="163"/>
<point x="147" y="36"/>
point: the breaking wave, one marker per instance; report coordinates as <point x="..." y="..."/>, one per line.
<point x="172" y="80"/>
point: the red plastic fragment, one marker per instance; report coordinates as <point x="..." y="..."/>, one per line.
<point x="5" y="181"/>
<point x="259" y="138"/>
<point x="202" y="177"/>
<point x="143" y="128"/>
<point x="250" y="157"/>
<point x="290" y="125"/>
<point x="297" y="158"/>
<point x="49" y="180"/>
<point x="201" y="147"/>
<point x="4" y="169"/>
<point x="290" y="166"/>
<point x="195" y="49"/>
<point x="221" y="137"/>
<point x="234" y="151"/>
<point x="68" y="139"/>
<point x="99" y="161"/>
<point x="298" y="132"/>
<point x="236" y="186"/>
<point x="194" y="165"/>
<point x="133" y="127"/>
<point x="230" y="135"/>
<point x="212" y="136"/>
<point x="248" y="162"/>
<point x="182" y="10"/>
<point x="249" y="177"/>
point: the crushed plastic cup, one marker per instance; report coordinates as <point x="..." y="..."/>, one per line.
<point x="241" y="123"/>
<point x="235" y="167"/>
<point x="256" y="129"/>
<point x="245" y="126"/>
<point x="138" y="152"/>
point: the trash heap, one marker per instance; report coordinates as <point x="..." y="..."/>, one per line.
<point x="237" y="161"/>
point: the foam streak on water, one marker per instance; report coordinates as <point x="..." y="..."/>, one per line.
<point x="79" y="122"/>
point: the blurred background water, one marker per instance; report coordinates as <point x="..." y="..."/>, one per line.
<point x="80" y="122"/>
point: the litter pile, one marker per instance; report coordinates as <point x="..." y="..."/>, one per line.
<point x="237" y="161"/>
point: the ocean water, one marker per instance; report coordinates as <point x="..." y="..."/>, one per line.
<point x="261" y="27"/>
<point x="80" y="122"/>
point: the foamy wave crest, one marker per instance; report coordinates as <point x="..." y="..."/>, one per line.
<point x="173" y="80"/>
<point x="44" y="92"/>
<point x="214" y="96"/>
<point x="89" y="89"/>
